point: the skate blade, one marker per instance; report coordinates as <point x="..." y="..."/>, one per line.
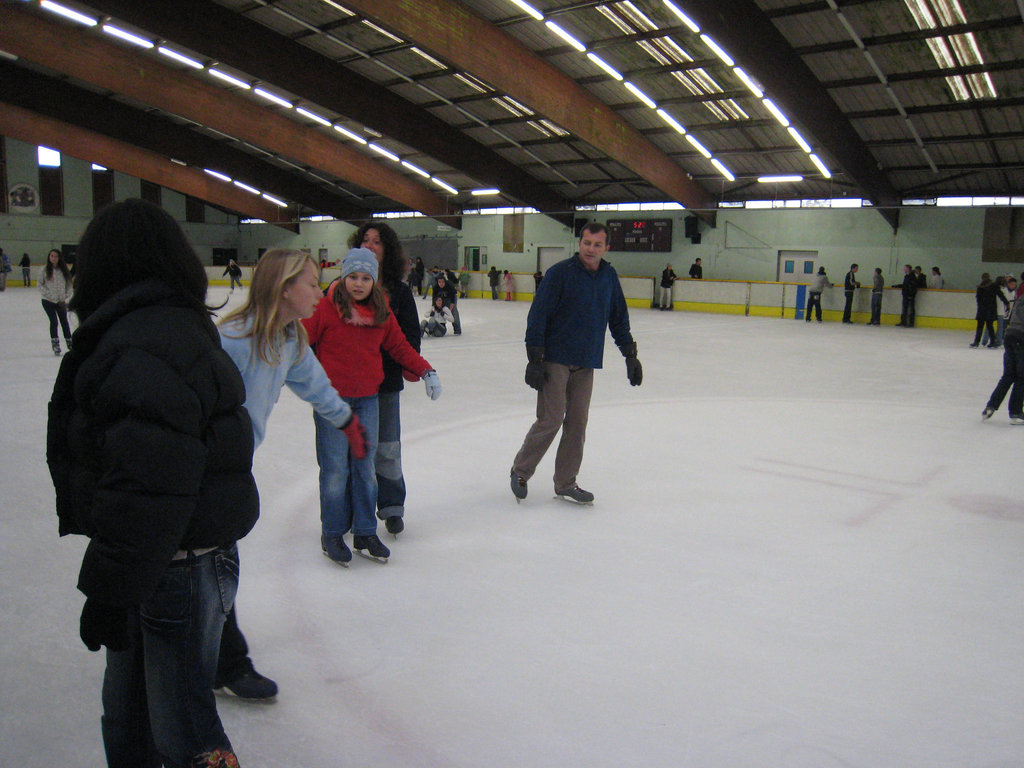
<point x="368" y="556"/>
<point x="569" y="500"/>
<point x="336" y="562"/>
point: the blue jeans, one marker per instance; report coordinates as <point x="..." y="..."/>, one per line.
<point x="158" y="702"/>
<point x="390" y="480"/>
<point x="348" y="486"/>
<point x="1013" y="375"/>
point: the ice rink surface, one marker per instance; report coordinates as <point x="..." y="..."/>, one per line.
<point x="806" y="552"/>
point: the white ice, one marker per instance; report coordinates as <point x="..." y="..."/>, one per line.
<point x="805" y="553"/>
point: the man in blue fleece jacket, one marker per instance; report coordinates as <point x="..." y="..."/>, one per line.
<point x="577" y="300"/>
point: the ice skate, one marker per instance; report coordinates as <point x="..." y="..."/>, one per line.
<point x="1017" y="419"/>
<point x="371" y="547"/>
<point x="518" y="486"/>
<point x="336" y="549"/>
<point x="55" y="345"/>
<point x="576" y="495"/>
<point x="987" y="413"/>
<point x="394" y="524"/>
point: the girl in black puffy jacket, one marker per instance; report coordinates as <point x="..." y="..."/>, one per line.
<point x="150" y="451"/>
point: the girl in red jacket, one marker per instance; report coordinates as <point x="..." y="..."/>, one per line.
<point x="350" y="326"/>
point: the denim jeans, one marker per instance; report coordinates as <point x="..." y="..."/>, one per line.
<point x="158" y="702"/>
<point x="55" y="312"/>
<point x="348" y="486"/>
<point x="388" y="463"/>
<point x="1013" y="375"/>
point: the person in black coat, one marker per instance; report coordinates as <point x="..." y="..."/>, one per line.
<point x="909" y="290"/>
<point x="150" y="452"/>
<point x="850" y="286"/>
<point x="378" y="237"/>
<point x="986" y="296"/>
<point x="447" y="291"/>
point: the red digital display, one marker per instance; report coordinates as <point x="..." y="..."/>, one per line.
<point x="640" y="236"/>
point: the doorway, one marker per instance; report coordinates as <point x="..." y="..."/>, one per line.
<point x="548" y="255"/>
<point x="796" y="266"/>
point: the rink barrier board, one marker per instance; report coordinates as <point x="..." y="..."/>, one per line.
<point x="945" y="309"/>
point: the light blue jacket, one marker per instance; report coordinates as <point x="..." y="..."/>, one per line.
<point x="571" y="311"/>
<point x="263" y="382"/>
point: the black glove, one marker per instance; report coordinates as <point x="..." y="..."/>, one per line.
<point x="535" y="367"/>
<point x="104" y="624"/>
<point x="634" y="371"/>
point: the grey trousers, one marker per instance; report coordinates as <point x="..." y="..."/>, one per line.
<point x="563" y="403"/>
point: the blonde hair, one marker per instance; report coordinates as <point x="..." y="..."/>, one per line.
<point x="275" y="272"/>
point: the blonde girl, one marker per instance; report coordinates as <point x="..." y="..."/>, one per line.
<point x="350" y="327"/>
<point x="265" y="339"/>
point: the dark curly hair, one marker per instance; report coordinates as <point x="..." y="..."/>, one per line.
<point x="392" y="268"/>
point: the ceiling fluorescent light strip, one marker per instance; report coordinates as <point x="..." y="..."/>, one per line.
<point x="717" y="50"/>
<point x="529" y="9"/>
<point x="776" y="112"/>
<point x="273" y="97"/>
<point x="779" y="179"/>
<point x="747" y="81"/>
<point x="67" y="13"/>
<point x="446" y="187"/>
<point x="229" y="78"/>
<point x="821" y="166"/>
<point x="722" y="169"/>
<point x="415" y="169"/>
<point x="246" y="187"/>
<point x="671" y="121"/>
<point x="640" y="94"/>
<point x="682" y="17"/>
<point x="313" y="116"/>
<point x="346" y="132"/>
<point x="604" y="65"/>
<point x="274" y="200"/>
<point x="142" y="42"/>
<point x="566" y="36"/>
<point x="488" y="191"/>
<point x="386" y="153"/>
<point x="180" y="57"/>
<point x="799" y="139"/>
<point x="217" y="175"/>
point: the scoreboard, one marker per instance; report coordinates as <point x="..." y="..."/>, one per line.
<point x="641" y="235"/>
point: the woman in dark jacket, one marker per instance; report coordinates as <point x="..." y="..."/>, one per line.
<point x="382" y="240"/>
<point x="986" y="296"/>
<point x="150" y="451"/>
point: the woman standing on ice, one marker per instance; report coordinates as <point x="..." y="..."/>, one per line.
<point x="268" y="344"/>
<point x="352" y="324"/>
<point x="150" y="451"/>
<point x="378" y="237"/>
<point x="55" y="286"/>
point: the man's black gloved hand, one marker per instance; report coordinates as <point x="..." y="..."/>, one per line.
<point x="634" y="371"/>
<point x="535" y="367"/>
<point x="104" y="624"/>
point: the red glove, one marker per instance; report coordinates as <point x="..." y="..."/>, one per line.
<point x="356" y="434"/>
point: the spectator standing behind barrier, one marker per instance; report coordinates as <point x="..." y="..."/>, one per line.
<point x="1013" y="368"/>
<point x="877" y="287"/>
<point x="465" y="278"/>
<point x="668" y="277"/>
<point x="509" y="282"/>
<point x="416" y="275"/>
<point x="936" y="281"/>
<point x="696" y="270"/>
<point x="493" y="279"/>
<point x="909" y="290"/>
<point x="26" y="269"/>
<point x="922" y="281"/>
<point x="986" y="296"/>
<point x="537" y="277"/>
<point x="850" y="285"/>
<point x="818" y="284"/>
<point x="565" y="331"/>
<point x="5" y="267"/>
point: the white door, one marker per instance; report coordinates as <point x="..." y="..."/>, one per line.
<point x="548" y="255"/>
<point x="796" y="266"/>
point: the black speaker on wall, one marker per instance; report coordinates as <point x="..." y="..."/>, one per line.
<point x="691" y="226"/>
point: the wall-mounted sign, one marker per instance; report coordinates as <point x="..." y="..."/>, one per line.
<point x="22" y="198"/>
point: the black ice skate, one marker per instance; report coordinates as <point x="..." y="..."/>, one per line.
<point x="576" y="495"/>
<point x="394" y="524"/>
<point x="336" y="549"/>
<point x="371" y="547"/>
<point x="518" y="487"/>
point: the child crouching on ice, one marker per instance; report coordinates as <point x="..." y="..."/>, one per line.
<point x="268" y="345"/>
<point x="350" y="326"/>
<point x="438" y="315"/>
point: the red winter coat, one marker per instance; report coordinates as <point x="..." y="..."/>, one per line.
<point x="350" y="353"/>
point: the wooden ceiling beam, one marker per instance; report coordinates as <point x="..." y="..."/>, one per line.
<point x="34" y="128"/>
<point x="63" y="101"/>
<point x="253" y="48"/>
<point x="81" y="54"/>
<point x="454" y="32"/>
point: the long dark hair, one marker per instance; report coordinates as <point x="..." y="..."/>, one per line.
<point x="392" y="266"/>
<point x="62" y="265"/>
<point x="130" y="242"/>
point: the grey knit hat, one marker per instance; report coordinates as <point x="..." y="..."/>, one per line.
<point x="360" y="260"/>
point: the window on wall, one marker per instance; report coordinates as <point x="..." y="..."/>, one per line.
<point x="150" y="192"/>
<point x="51" y="182"/>
<point x="102" y="188"/>
<point x="195" y="210"/>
